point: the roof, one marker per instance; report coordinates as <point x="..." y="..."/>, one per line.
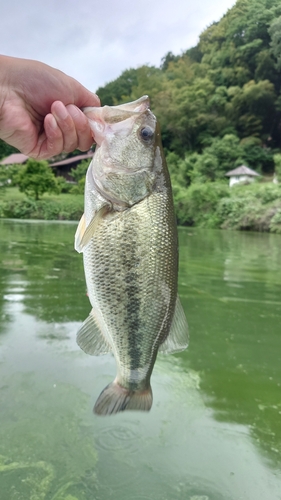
<point x="242" y="170"/>
<point x="73" y="159"/>
<point x="14" y="158"/>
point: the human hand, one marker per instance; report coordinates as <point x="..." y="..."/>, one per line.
<point x="39" y="109"/>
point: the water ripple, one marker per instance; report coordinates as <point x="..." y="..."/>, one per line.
<point x="119" y="438"/>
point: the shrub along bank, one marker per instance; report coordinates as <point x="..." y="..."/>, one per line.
<point x="62" y="207"/>
<point x="255" y="207"/>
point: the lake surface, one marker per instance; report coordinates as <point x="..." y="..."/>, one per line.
<point x="214" y="431"/>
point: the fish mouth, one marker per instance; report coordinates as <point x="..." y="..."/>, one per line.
<point x="116" y="114"/>
<point x="106" y="119"/>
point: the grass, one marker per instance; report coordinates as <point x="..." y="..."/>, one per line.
<point x="13" y="194"/>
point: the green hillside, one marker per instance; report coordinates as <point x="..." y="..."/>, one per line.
<point x="228" y="85"/>
<point x="219" y="106"/>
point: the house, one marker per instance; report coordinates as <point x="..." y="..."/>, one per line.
<point x="63" y="167"/>
<point x="241" y="174"/>
<point x="14" y="159"/>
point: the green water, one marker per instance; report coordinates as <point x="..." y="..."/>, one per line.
<point x="214" y="431"/>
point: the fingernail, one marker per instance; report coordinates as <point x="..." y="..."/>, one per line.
<point x="73" y="110"/>
<point x="60" y="111"/>
<point x="52" y="122"/>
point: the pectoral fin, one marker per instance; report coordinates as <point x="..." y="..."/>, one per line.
<point x="178" y="337"/>
<point x="90" y="337"/>
<point x="84" y="234"/>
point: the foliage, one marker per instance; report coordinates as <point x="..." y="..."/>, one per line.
<point x="6" y="149"/>
<point x="214" y="205"/>
<point x="80" y="171"/>
<point x="8" y="175"/>
<point x="64" y="208"/>
<point x="277" y="163"/>
<point x="79" y="175"/>
<point x="4" y="178"/>
<point x="63" y="185"/>
<point x="219" y="106"/>
<point x="79" y="187"/>
<point x="37" y="178"/>
<point x="197" y="205"/>
<point x="229" y="84"/>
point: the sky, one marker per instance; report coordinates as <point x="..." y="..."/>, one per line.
<point x="95" y="42"/>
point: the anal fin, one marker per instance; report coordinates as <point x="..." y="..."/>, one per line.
<point x="178" y="337"/>
<point x="90" y="337"/>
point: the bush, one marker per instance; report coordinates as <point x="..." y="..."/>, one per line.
<point x="275" y="223"/>
<point x="37" y="178"/>
<point x="277" y="163"/>
<point x="197" y="204"/>
<point x="43" y="209"/>
<point x="80" y="171"/>
<point x="78" y="188"/>
<point x="63" y="185"/>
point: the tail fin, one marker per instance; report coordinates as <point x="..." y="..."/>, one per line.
<point x="115" y="398"/>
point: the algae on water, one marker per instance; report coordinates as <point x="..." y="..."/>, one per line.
<point x="45" y="451"/>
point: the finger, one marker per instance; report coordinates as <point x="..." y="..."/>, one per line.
<point x="83" y="131"/>
<point x="50" y="143"/>
<point x="66" y="125"/>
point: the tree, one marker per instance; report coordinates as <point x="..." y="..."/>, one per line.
<point x="80" y="171"/>
<point x="277" y="162"/>
<point x="6" y="149"/>
<point x="37" y="178"/>
<point x="275" y="33"/>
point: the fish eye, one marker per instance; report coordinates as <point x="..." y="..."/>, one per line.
<point x="146" y="133"/>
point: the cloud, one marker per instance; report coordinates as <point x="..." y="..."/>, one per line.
<point x="95" y="41"/>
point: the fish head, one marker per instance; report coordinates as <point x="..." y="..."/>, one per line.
<point x="126" y="137"/>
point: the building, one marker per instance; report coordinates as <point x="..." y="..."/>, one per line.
<point x="63" y="167"/>
<point x="241" y="174"/>
<point x="14" y="159"/>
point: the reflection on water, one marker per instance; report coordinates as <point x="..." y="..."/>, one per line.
<point x="214" y="430"/>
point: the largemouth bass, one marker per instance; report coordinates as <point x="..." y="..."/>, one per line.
<point x="128" y="237"/>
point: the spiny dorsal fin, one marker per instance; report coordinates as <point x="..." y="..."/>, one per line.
<point x="178" y="337"/>
<point x="90" y="337"/>
<point x="84" y="234"/>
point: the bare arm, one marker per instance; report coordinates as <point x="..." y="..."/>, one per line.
<point x="39" y="109"/>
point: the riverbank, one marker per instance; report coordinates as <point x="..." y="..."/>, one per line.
<point x="255" y="207"/>
<point x="16" y="205"/>
<point x="213" y="205"/>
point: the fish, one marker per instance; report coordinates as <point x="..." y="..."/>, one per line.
<point x="128" y="237"/>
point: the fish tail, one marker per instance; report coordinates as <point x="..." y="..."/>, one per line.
<point x="115" y="398"/>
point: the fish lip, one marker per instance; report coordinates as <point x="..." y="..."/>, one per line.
<point x="109" y="114"/>
<point x="131" y="106"/>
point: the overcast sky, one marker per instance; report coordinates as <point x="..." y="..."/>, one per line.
<point x="95" y="41"/>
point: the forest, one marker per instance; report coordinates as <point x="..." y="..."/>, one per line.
<point x="219" y="106"/>
<point x="228" y="85"/>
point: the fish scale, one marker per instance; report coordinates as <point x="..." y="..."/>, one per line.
<point x="137" y="300"/>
